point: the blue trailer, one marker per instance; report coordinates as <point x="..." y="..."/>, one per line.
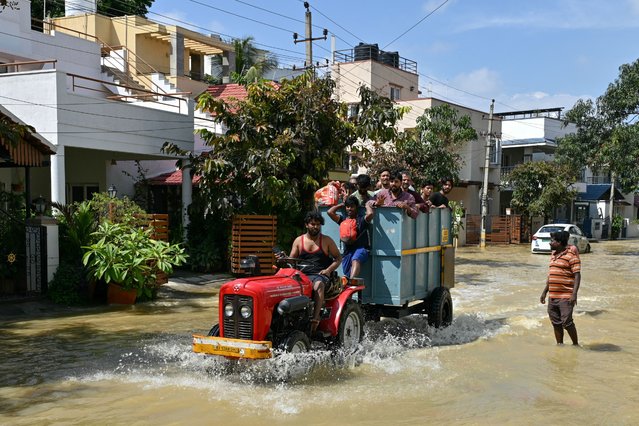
<point x="411" y="265"/>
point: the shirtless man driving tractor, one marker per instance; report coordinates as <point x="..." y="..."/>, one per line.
<point x="322" y="255"/>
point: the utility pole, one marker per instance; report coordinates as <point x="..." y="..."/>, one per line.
<point x="309" y="36"/>
<point x="484" y="193"/>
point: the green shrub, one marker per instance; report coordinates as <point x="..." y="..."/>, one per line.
<point x="66" y="286"/>
<point x="128" y="256"/>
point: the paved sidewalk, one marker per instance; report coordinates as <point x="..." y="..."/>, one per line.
<point x="182" y="284"/>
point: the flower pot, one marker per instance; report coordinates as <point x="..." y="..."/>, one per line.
<point x="116" y="295"/>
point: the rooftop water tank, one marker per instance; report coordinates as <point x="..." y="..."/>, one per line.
<point x="364" y="51"/>
<point x="389" y="58"/>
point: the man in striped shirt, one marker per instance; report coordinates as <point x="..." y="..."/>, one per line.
<point x="562" y="286"/>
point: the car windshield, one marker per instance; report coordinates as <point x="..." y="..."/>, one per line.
<point x="549" y="229"/>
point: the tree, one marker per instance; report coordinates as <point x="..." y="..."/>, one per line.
<point x="541" y="186"/>
<point x="251" y="64"/>
<point x="607" y="136"/>
<point x="431" y="150"/>
<point x="11" y="4"/>
<point x="280" y="143"/>
<point x="55" y="8"/>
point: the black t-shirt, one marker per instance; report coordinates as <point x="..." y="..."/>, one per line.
<point x="438" y="199"/>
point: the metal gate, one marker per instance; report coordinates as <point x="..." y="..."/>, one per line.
<point x="12" y="255"/>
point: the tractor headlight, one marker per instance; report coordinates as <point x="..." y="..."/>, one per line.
<point x="246" y="311"/>
<point x="228" y="310"/>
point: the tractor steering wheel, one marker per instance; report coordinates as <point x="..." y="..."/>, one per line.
<point x="293" y="262"/>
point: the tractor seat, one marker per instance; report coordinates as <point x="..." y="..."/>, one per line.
<point x="334" y="287"/>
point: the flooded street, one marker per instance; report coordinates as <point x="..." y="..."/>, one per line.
<point x="497" y="363"/>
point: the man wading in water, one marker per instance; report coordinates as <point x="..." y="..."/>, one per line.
<point x="563" y="282"/>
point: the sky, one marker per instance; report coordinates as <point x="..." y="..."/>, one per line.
<point x="524" y="54"/>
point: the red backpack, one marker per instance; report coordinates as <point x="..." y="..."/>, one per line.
<point x="348" y="230"/>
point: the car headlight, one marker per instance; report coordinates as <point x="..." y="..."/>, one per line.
<point x="228" y="310"/>
<point x="246" y="311"/>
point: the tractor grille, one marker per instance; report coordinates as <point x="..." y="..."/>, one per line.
<point x="237" y="327"/>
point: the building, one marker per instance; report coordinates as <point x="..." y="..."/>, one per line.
<point x="533" y="135"/>
<point x="56" y="83"/>
<point x="397" y="78"/>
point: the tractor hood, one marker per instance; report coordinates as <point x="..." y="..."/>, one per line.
<point x="271" y="288"/>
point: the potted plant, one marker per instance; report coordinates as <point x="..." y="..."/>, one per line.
<point x="128" y="260"/>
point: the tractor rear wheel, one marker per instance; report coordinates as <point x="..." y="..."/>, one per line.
<point x="296" y="342"/>
<point x="440" y="309"/>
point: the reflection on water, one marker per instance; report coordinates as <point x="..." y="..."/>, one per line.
<point x="602" y="347"/>
<point x="495" y="363"/>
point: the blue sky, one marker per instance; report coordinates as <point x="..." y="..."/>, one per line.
<point x="524" y="54"/>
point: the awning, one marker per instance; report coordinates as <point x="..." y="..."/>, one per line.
<point x="29" y="150"/>
<point x="599" y="192"/>
<point x="171" y="179"/>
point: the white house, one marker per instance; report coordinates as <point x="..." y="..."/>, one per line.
<point x="55" y="83"/>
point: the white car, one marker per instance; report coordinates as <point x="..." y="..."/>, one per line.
<point x="541" y="240"/>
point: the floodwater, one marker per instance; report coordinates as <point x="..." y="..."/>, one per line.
<point x="497" y="363"/>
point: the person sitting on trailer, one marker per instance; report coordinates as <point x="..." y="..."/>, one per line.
<point x="356" y="249"/>
<point x="394" y="196"/>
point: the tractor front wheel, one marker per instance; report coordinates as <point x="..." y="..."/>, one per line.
<point x="296" y="342"/>
<point x="215" y="331"/>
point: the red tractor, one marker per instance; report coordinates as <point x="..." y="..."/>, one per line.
<point x="259" y="313"/>
<point x="410" y="271"/>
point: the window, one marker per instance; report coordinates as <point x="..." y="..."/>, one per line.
<point x="494" y="151"/>
<point x="353" y="111"/>
<point x="80" y="192"/>
<point x="395" y="93"/>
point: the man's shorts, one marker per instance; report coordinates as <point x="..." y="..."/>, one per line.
<point x="560" y="312"/>
<point x="359" y="254"/>
<point x="318" y="277"/>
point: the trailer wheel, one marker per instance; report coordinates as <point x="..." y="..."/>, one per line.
<point x="440" y="310"/>
<point x="351" y="326"/>
<point x="588" y="248"/>
<point x="296" y="342"/>
<point x="214" y="331"/>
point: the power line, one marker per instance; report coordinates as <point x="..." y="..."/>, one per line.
<point x="416" y="24"/>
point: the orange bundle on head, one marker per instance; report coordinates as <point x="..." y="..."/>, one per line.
<point x="328" y="195"/>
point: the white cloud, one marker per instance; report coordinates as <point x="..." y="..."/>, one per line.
<point x="535" y="100"/>
<point x="634" y="6"/>
<point x="565" y="14"/>
<point x="480" y="81"/>
<point x="431" y="5"/>
<point x="439" y="47"/>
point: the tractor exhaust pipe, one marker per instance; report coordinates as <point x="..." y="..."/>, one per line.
<point x="293" y="304"/>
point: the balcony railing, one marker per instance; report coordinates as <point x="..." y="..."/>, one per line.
<point x="372" y="52"/>
<point x="598" y="180"/>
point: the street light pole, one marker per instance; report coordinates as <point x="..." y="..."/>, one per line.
<point x="484" y="193"/>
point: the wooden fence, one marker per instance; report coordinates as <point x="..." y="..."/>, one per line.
<point x="500" y="230"/>
<point x="159" y="223"/>
<point x="253" y="235"/>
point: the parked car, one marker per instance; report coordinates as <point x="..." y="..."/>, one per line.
<point x="541" y="240"/>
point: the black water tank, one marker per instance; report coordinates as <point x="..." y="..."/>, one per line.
<point x="364" y="51"/>
<point x="389" y="58"/>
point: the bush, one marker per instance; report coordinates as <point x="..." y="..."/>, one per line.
<point x="617" y="223"/>
<point x="128" y="256"/>
<point x="66" y="286"/>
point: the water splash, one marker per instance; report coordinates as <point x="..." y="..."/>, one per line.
<point x="385" y="347"/>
